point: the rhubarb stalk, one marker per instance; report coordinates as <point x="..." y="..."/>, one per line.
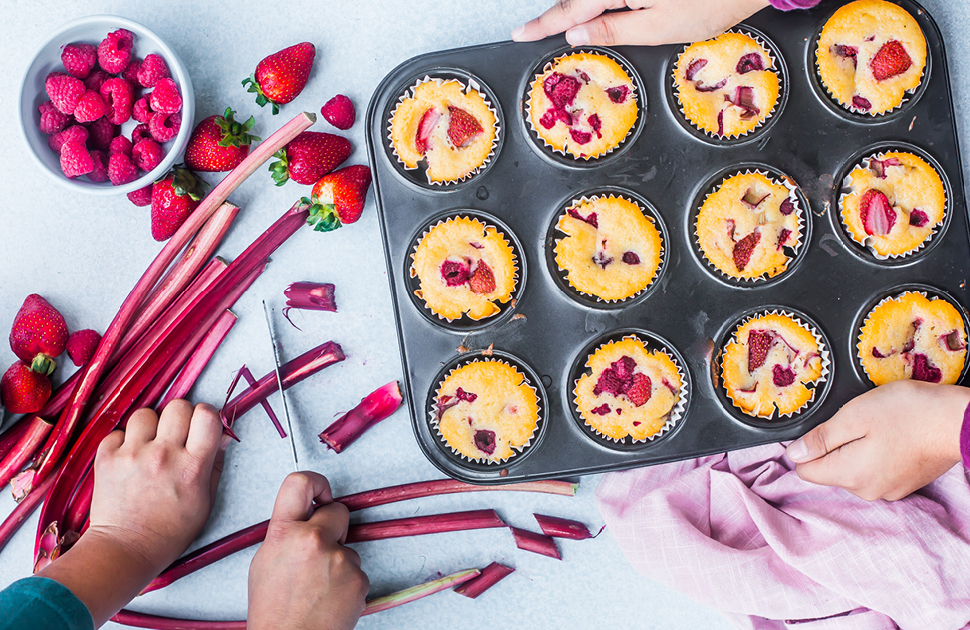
<point x="375" y="407"/>
<point x="417" y="592"/>
<point x="199" y="359"/>
<point x="251" y="380"/>
<point x="536" y="543"/>
<point x="562" y="527"/>
<point x="77" y="512"/>
<point x="309" y="296"/>
<point x="23" y="511"/>
<point x="428" y="524"/>
<point x="489" y="577"/>
<point x="23" y="451"/>
<point x="13" y="433"/>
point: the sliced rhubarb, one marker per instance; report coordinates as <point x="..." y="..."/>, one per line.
<point x="743" y="97"/>
<point x="879" y="166"/>
<point x="420" y="525"/>
<point x="562" y="527"/>
<point x="954" y="341"/>
<point x="700" y="87"/>
<point x="695" y="66"/>
<point x="417" y="592"/>
<point x="536" y="543"/>
<point x="377" y="406"/>
<point x="753" y="199"/>
<point x="309" y="296"/>
<point x="591" y="218"/>
<point x="486" y="579"/>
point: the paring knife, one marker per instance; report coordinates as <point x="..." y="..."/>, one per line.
<point x="279" y="381"/>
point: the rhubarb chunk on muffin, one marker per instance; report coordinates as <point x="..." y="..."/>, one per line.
<point x="486" y="410"/>
<point x="870" y="54"/>
<point x="465" y="267"/>
<point x="451" y="127"/>
<point x="583" y="104"/>
<point x="727" y="86"/>
<point x="913" y="337"/>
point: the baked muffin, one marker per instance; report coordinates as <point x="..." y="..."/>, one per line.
<point x="897" y="200"/>
<point x="870" y="53"/>
<point x="486" y="410"/>
<point x="449" y="126"/>
<point x="744" y="227"/>
<point x="911" y="336"/>
<point x="768" y="365"/>
<point x="630" y="392"/>
<point x="726" y="86"/>
<point x="611" y="251"/>
<point x="583" y="104"/>
<point x="464" y="267"/>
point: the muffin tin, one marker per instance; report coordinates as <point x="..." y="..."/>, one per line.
<point x="688" y="310"/>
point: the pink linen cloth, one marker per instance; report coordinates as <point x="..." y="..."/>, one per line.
<point x="742" y="533"/>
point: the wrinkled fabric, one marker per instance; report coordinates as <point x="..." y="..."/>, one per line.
<point x="742" y="533"/>
<point x="790" y="5"/>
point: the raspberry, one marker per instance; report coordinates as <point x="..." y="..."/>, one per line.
<point x="641" y="389"/>
<point x="554" y="115"/>
<point x="744" y="248"/>
<point x="624" y="367"/>
<point x="79" y="59"/>
<point x="485" y="441"/>
<point x="749" y="62"/>
<point x="454" y="273"/>
<point x="52" y="119"/>
<point x="339" y="112"/>
<point x="602" y="410"/>
<point x="602" y="259"/>
<point x="152" y="70"/>
<point x="96" y="79"/>
<point x="595" y="122"/>
<point x="483" y="280"/>
<point x="561" y="89"/>
<point x="142" y="196"/>
<point x="631" y="258"/>
<point x="918" y="218"/>
<point x="862" y="103"/>
<point x="139" y="133"/>
<point x="787" y="207"/>
<point x="165" y="98"/>
<point x="759" y="343"/>
<point x="618" y="94"/>
<point x="64" y="91"/>
<point x="76" y="133"/>
<point x="101" y="132"/>
<point x="81" y="346"/>
<point x="141" y="110"/>
<point x="879" y="166"/>
<point x="90" y="107"/>
<point x="925" y="371"/>
<point x="608" y="382"/>
<point x="147" y="154"/>
<point x="121" y="170"/>
<point x="100" y="171"/>
<point x="75" y="159"/>
<point x="130" y="73"/>
<point x="782" y="376"/>
<point x="580" y="137"/>
<point x="120" y="144"/>
<point x="114" y="51"/>
<point x="164" y="127"/>
<point x="119" y="98"/>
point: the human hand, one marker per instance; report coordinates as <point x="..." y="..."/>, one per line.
<point x="302" y="576"/>
<point x="886" y="443"/>
<point x="650" y="23"/>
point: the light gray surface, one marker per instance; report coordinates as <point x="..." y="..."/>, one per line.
<point x="85" y="254"/>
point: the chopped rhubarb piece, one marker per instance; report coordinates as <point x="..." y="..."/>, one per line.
<point x="954" y="341"/>
<point x="429" y="120"/>
<point x="918" y="218"/>
<point x="536" y="543"/>
<point x="752" y="199"/>
<point x="580" y="137"/>
<point x="602" y="260"/>
<point x="562" y="528"/>
<point x="877" y="215"/>
<point x="377" y="406"/>
<point x="631" y="258"/>
<point x="695" y="66"/>
<point x="444" y="404"/>
<point x="602" y="410"/>
<point x="753" y="389"/>
<point x="879" y="166"/>
<point x="591" y="219"/>
<point x="743" y="97"/>
<point x="720" y="123"/>
<point x="891" y="60"/>
<point x="925" y="371"/>
<point x="759" y="343"/>
<point x="787" y="207"/>
<point x="595" y="122"/>
<point x="463" y="128"/>
<point x="783" y="237"/>
<point x="749" y="62"/>
<point x="485" y="441"/>
<point x="454" y="273"/>
<point x="877" y="354"/>
<point x="846" y="52"/>
<point x="731" y="227"/>
<point x="561" y="89"/>
<point x="782" y="376"/>
<point x="465" y="396"/>
<point x="309" y="296"/>
<point x="700" y="87"/>
<point x="862" y="103"/>
<point x="744" y="248"/>
<point x="486" y="579"/>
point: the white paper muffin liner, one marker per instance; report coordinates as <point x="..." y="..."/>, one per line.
<point x="673" y="416"/>
<point x="473" y="86"/>
<point x="663" y="245"/>
<point x="515" y="265"/>
<point x="774" y="68"/>
<point x="813" y="386"/>
<point x="516" y="450"/>
<point x="549" y="66"/>
<point x="799" y="213"/>
<point x="865" y="242"/>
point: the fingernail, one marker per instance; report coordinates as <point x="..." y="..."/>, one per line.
<point x="577" y="36"/>
<point x="798" y="451"/>
<point x="517" y="33"/>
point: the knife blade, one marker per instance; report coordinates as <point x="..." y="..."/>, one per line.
<point x="279" y="382"/>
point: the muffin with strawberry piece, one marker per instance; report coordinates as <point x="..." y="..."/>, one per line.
<point x="447" y="125"/>
<point x="894" y="203"/>
<point x="583" y="104"/>
<point x="727" y="86"/>
<point x="870" y="54"/>
<point x="465" y="267"/>
<point x="630" y="391"/>
<point x="911" y="336"/>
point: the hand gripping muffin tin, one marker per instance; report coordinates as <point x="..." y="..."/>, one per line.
<point x="689" y="310"/>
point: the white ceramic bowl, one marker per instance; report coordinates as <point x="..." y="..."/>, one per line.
<point x="33" y="93"/>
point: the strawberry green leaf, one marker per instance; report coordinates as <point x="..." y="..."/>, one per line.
<point x="323" y="217"/>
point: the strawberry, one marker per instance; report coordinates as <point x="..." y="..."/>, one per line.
<point x="309" y="156"/>
<point x="38" y="334"/>
<point x="426" y="126"/>
<point x="463" y="128"/>
<point x="878" y="217"/>
<point x="641" y="389"/>
<point x="338" y="198"/>
<point x="339" y="112"/>
<point x="173" y="199"/>
<point x="482" y="280"/>
<point x="281" y="77"/>
<point x="743" y="248"/>
<point x="891" y="60"/>
<point x="23" y="390"/>
<point x="759" y="343"/>
<point x="81" y="346"/>
<point x="219" y="143"/>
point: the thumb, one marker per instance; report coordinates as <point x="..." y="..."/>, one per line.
<point x="613" y="29"/>
<point x="825" y="438"/>
<point x="294" y="502"/>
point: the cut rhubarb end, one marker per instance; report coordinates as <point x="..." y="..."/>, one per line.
<point x="309" y="296"/>
<point x="417" y="592"/>
<point x="377" y="406"/>
<point x="562" y="527"/>
<point x="486" y="579"/>
<point x="536" y="543"/>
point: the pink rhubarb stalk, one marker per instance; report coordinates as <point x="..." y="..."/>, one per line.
<point x="536" y="543"/>
<point x="77" y="512"/>
<point x="199" y="359"/>
<point x="157" y="622"/>
<point x="23" y="451"/>
<point x="246" y="374"/>
<point x="562" y="527"/>
<point x="417" y="592"/>
<point x="377" y="406"/>
<point x="420" y="525"/>
<point x="489" y="577"/>
<point x="309" y="296"/>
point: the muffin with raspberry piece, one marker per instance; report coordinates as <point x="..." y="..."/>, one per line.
<point x="583" y="104"/>
<point x="449" y="126"/>
<point x="464" y="267"/>
<point x="768" y="365"/>
<point x="611" y="251"/>
<point x="895" y="202"/>
<point x="870" y="54"/>
<point x="912" y="336"/>
<point x="630" y="391"/>
<point x="486" y="411"/>
<point x="727" y="86"/>
<point x="745" y="227"/>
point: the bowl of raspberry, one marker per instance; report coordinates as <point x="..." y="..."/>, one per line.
<point x="106" y="106"/>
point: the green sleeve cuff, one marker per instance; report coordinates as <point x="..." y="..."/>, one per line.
<point x="38" y="603"/>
